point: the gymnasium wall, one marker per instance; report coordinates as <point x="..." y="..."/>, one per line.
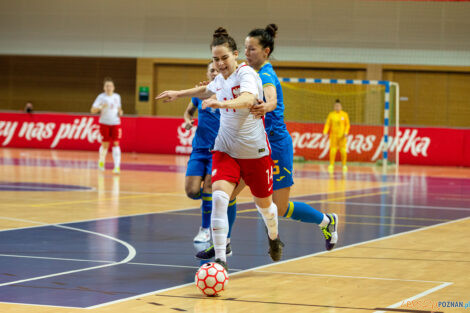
<point x="63" y="84"/>
<point x="430" y="95"/>
<point x="372" y="31"/>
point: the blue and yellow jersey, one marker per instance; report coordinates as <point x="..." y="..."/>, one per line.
<point x="274" y="121"/>
<point x="207" y="127"/>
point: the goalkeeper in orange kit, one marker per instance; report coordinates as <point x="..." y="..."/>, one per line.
<point x="337" y="125"/>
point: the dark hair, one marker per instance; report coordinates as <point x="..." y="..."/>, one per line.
<point x="108" y="79"/>
<point x="221" y="37"/>
<point x="337" y="101"/>
<point x="265" y="36"/>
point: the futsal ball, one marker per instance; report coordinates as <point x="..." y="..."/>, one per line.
<point x="211" y="279"/>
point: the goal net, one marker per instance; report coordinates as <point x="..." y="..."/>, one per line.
<point x="373" y="112"/>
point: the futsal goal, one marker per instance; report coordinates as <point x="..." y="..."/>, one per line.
<point x="373" y="109"/>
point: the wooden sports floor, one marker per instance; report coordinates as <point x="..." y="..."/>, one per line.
<point x="74" y="239"/>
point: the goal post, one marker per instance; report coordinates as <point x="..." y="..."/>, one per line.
<point x="372" y="106"/>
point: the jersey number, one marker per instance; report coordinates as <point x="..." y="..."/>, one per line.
<point x="269" y="173"/>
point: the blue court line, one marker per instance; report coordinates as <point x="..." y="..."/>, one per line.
<point x="34" y="186"/>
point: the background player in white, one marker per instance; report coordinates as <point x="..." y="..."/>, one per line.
<point x="108" y="104"/>
<point x="241" y="147"/>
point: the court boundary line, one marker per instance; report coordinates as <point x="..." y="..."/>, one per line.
<point x="419" y="295"/>
<point x="357" y="277"/>
<point x="131" y="254"/>
<point x="99" y="261"/>
<point x="285" y="261"/>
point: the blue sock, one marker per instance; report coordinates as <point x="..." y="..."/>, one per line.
<point x="206" y="209"/>
<point x="232" y="215"/>
<point x="303" y="212"/>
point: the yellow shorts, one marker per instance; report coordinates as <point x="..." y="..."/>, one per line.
<point x="338" y="142"/>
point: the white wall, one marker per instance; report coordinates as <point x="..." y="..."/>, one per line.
<point x="366" y="31"/>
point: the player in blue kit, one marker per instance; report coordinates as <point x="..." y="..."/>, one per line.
<point x="200" y="162"/>
<point x="259" y="45"/>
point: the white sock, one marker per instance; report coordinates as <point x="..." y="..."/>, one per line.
<point x="325" y="221"/>
<point x="270" y="219"/>
<point x="117" y="156"/>
<point x="219" y="223"/>
<point x="103" y="153"/>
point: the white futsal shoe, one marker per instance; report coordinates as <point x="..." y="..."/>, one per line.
<point x="204" y="235"/>
<point x="330" y="231"/>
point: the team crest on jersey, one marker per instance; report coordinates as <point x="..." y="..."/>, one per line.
<point x="236" y="91"/>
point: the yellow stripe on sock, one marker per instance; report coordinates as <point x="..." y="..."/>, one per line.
<point x="290" y="209"/>
<point x="234" y="201"/>
<point x="207" y="198"/>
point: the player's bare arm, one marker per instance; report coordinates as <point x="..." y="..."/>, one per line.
<point x="188" y="116"/>
<point x="262" y="108"/>
<point x="171" y="95"/>
<point x="244" y="101"/>
<point x="102" y="106"/>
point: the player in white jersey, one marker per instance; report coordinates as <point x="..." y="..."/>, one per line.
<point x="241" y="147"/>
<point x="108" y="104"/>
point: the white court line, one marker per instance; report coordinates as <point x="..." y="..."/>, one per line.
<point x="132" y="253"/>
<point x="99" y="261"/>
<point x="426" y="207"/>
<point x="52" y="258"/>
<point x="357" y="277"/>
<point x="282" y="262"/>
<point x="422" y="294"/>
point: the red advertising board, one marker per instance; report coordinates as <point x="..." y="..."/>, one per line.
<point x="416" y="145"/>
<point x="81" y="132"/>
<point x="423" y="145"/>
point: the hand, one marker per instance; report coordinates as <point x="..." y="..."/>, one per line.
<point x="189" y="124"/>
<point x="104" y="105"/>
<point x="203" y="83"/>
<point x="168" y="96"/>
<point x="211" y="103"/>
<point x="259" y="110"/>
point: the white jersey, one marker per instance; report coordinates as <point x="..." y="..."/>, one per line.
<point x="109" y="114"/>
<point x="241" y="135"/>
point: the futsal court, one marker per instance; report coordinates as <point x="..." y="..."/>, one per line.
<point x="75" y="238"/>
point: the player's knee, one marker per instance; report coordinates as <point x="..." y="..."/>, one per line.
<point x="263" y="203"/>
<point x="193" y="193"/>
<point x="220" y="201"/>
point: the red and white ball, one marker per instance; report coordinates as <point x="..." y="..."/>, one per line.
<point x="211" y="279"/>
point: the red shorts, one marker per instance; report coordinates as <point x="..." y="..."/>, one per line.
<point x="110" y="132"/>
<point x="257" y="173"/>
